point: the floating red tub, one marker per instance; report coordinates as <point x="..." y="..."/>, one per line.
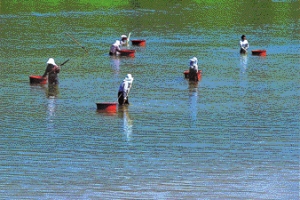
<point x="259" y="52"/>
<point x="127" y="52"/>
<point x="37" y="79"/>
<point x="107" y="106"/>
<point x="199" y="74"/>
<point x="139" y="42"/>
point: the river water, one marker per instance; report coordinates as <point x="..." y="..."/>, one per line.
<point x="232" y="135"/>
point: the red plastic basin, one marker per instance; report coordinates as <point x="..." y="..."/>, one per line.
<point x="34" y="79"/>
<point x="127" y="52"/>
<point x="199" y="74"/>
<point x="138" y="42"/>
<point x="107" y="106"/>
<point x="260" y="52"/>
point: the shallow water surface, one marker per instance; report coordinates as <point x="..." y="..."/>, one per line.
<point x="232" y="135"/>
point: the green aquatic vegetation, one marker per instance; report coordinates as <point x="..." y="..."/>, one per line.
<point x="15" y="6"/>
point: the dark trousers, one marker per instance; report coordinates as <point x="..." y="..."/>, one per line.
<point x="121" y="99"/>
<point x="242" y="51"/>
<point x="193" y="75"/>
<point x="52" y="79"/>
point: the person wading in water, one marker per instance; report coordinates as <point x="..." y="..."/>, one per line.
<point x="52" y="70"/>
<point x="193" y="70"/>
<point x="115" y="48"/>
<point x="124" y="89"/>
<point x="244" y="44"/>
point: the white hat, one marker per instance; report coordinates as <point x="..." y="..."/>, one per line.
<point x="128" y="78"/>
<point x="123" y="36"/>
<point x="194" y="59"/>
<point x="51" y="61"/>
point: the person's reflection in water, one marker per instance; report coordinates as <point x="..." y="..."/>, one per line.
<point x="127" y="122"/>
<point x="51" y="113"/>
<point x="193" y="97"/>
<point x="243" y="62"/>
<point x="115" y="64"/>
<point x="51" y="93"/>
<point x="243" y="74"/>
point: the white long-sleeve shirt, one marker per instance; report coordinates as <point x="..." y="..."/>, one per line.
<point x="114" y="48"/>
<point x="194" y="67"/>
<point x="194" y="64"/>
<point x="125" y="86"/>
